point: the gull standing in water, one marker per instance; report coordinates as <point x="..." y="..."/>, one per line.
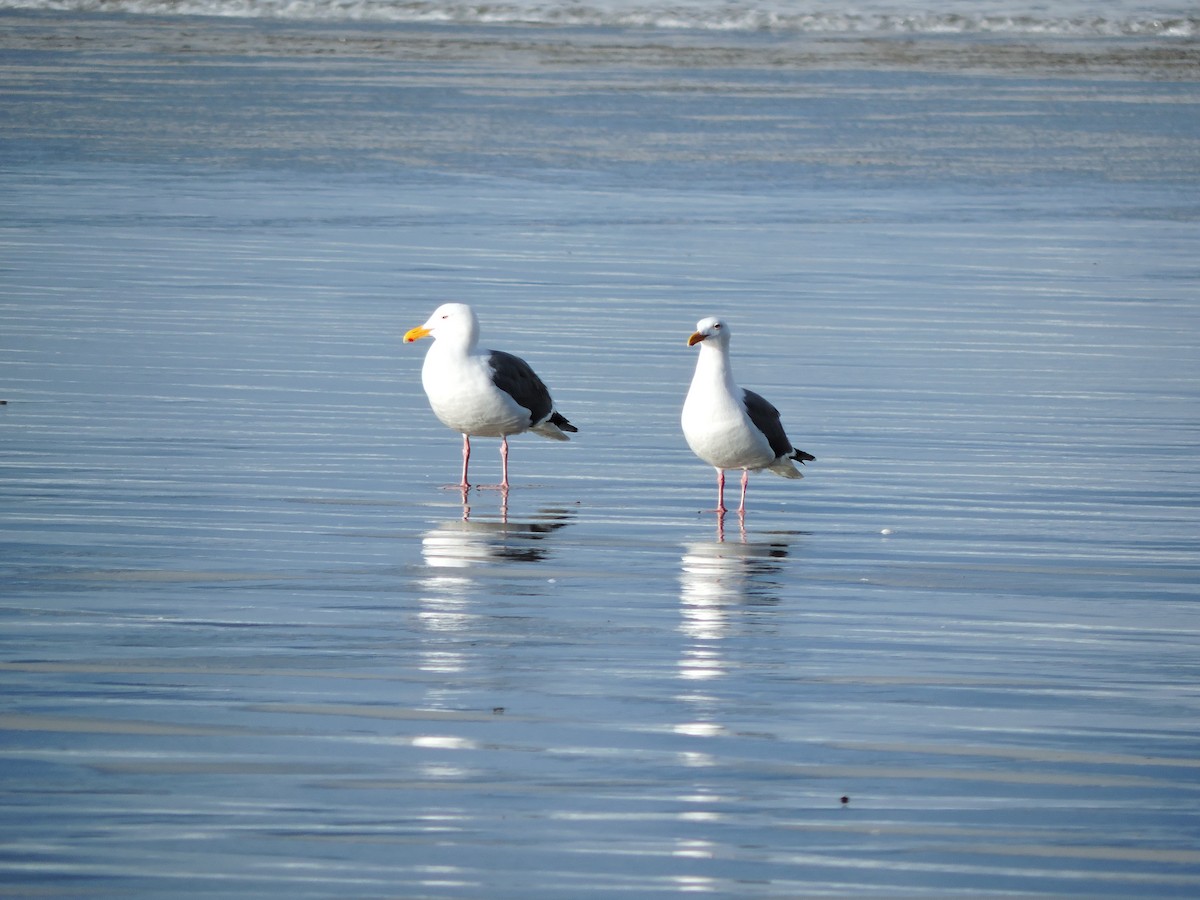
<point x="482" y="393"/>
<point x="727" y="426"/>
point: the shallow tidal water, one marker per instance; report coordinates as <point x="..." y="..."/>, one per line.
<point x="252" y="646"/>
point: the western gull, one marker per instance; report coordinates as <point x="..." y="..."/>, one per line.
<point x="727" y="426"/>
<point x="485" y="393"/>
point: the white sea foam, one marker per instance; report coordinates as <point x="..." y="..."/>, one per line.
<point x="1019" y="17"/>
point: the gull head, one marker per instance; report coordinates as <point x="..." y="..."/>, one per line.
<point x="714" y="329"/>
<point x="450" y="320"/>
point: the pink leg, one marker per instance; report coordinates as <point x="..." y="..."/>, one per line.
<point x="466" y="460"/>
<point x="720" y="490"/>
<point x="745" y="480"/>
<point x="504" y="463"/>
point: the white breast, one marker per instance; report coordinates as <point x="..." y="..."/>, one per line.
<point x="463" y="396"/>
<point x="718" y="430"/>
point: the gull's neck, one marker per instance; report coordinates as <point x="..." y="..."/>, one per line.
<point x="460" y="344"/>
<point x="713" y="367"/>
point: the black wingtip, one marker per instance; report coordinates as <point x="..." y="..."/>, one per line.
<point x="561" y="421"/>
<point x="803" y="457"/>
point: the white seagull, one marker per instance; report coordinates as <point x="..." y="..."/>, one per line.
<point x="727" y="426"/>
<point x="486" y="393"/>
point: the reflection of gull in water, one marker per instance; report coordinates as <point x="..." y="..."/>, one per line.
<point x="718" y="581"/>
<point x="466" y="543"/>
<point x="718" y="572"/>
<point x="714" y="578"/>
<point x="458" y="554"/>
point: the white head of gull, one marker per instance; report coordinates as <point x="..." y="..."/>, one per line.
<point x="727" y="426"/>
<point x="482" y="393"/>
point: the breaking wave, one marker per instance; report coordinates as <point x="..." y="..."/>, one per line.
<point x="952" y="18"/>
